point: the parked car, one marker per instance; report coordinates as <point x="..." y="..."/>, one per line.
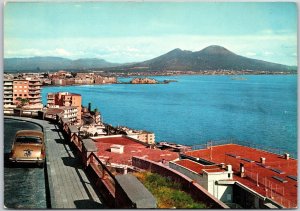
<point x="28" y="147"/>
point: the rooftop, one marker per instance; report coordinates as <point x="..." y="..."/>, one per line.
<point x="197" y="167"/>
<point x="131" y="148"/>
<point x="276" y="178"/>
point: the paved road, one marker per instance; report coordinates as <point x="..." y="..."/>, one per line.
<point x="24" y="188"/>
<point x="69" y="186"/>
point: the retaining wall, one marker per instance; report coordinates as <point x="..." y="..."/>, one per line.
<point x="188" y="185"/>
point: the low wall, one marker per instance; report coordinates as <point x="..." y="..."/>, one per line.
<point x="105" y="181"/>
<point x="188" y="185"/>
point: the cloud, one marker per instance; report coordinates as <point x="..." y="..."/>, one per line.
<point x="61" y="52"/>
<point x="251" y="54"/>
<point x="267" y="31"/>
<point x="29" y="52"/>
<point x="267" y="53"/>
<point x="269" y="47"/>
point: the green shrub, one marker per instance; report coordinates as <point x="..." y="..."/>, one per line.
<point x="167" y="192"/>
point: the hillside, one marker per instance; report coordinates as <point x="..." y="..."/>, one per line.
<point x="52" y="64"/>
<point x="210" y="58"/>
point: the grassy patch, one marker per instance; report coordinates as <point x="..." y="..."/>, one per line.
<point x="167" y="192"/>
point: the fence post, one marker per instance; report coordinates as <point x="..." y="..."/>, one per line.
<point x="88" y="147"/>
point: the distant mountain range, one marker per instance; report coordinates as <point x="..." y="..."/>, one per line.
<point x="211" y="58"/>
<point x="36" y="64"/>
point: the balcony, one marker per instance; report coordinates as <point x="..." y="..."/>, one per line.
<point x="50" y="97"/>
<point x="34" y="92"/>
<point x="8" y="87"/>
<point x="34" y="83"/>
<point x="7" y="100"/>
<point x="34" y="96"/>
<point x="8" y="96"/>
<point x="7" y="83"/>
<point x="35" y="101"/>
<point x="7" y="92"/>
<point x="34" y="87"/>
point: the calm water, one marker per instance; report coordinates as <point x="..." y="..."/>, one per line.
<point x="262" y="109"/>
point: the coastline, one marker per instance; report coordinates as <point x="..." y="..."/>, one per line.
<point x="168" y="75"/>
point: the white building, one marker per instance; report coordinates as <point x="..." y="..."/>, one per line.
<point x="215" y="179"/>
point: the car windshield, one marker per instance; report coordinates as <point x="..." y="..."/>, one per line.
<point x="29" y="139"/>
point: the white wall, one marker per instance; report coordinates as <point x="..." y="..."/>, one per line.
<point x="208" y="181"/>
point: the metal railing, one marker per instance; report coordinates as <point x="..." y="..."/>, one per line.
<point x="278" y="151"/>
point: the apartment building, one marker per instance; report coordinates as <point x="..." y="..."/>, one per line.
<point x="28" y="88"/>
<point x="34" y="91"/>
<point x="8" y="93"/>
<point x="64" y="100"/>
<point x="141" y="135"/>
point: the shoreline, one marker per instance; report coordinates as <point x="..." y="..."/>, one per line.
<point x="132" y="76"/>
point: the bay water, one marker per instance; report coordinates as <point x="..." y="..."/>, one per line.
<point x="261" y="109"/>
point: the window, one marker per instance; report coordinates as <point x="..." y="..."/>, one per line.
<point x="25" y="95"/>
<point x="25" y="86"/>
<point x="20" y="87"/>
<point x="28" y="139"/>
<point x="20" y="95"/>
<point x="16" y="95"/>
<point x="25" y="90"/>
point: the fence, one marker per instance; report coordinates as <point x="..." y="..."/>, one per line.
<point x="252" y="173"/>
<point x="272" y="190"/>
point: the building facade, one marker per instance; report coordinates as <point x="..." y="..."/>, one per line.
<point x="8" y="93"/>
<point x="16" y="90"/>
<point x="64" y="100"/>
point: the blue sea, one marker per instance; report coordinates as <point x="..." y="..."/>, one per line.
<point x="196" y="109"/>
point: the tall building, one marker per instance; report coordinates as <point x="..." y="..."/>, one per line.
<point x="28" y="88"/>
<point x="65" y="99"/>
<point x="8" y="93"/>
<point x="34" y="91"/>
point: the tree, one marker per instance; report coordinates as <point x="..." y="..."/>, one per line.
<point x="22" y="101"/>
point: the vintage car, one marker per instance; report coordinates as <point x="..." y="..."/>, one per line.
<point x="28" y="147"/>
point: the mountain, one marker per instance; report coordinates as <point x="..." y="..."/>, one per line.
<point x="35" y="64"/>
<point x="210" y="58"/>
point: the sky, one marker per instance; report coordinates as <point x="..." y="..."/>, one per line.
<point x="137" y="31"/>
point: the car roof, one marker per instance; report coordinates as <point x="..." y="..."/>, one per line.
<point x="30" y="133"/>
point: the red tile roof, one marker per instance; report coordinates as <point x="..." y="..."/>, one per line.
<point x="197" y="167"/>
<point x="256" y="174"/>
<point x="131" y="148"/>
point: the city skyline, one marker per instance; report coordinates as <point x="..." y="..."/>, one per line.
<point x="137" y="31"/>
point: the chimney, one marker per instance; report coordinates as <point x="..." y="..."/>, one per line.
<point x="222" y="165"/>
<point x="262" y="160"/>
<point x="229" y="168"/>
<point x="242" y="170"/>
<point x="286" y="156"/>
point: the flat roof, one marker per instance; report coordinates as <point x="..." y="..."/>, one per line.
<point x="198" y="167"/>
<point x="275" y="165"/>
<point x="131" y="148"/>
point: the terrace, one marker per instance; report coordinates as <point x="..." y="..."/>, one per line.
<point x="266" y="173"/>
